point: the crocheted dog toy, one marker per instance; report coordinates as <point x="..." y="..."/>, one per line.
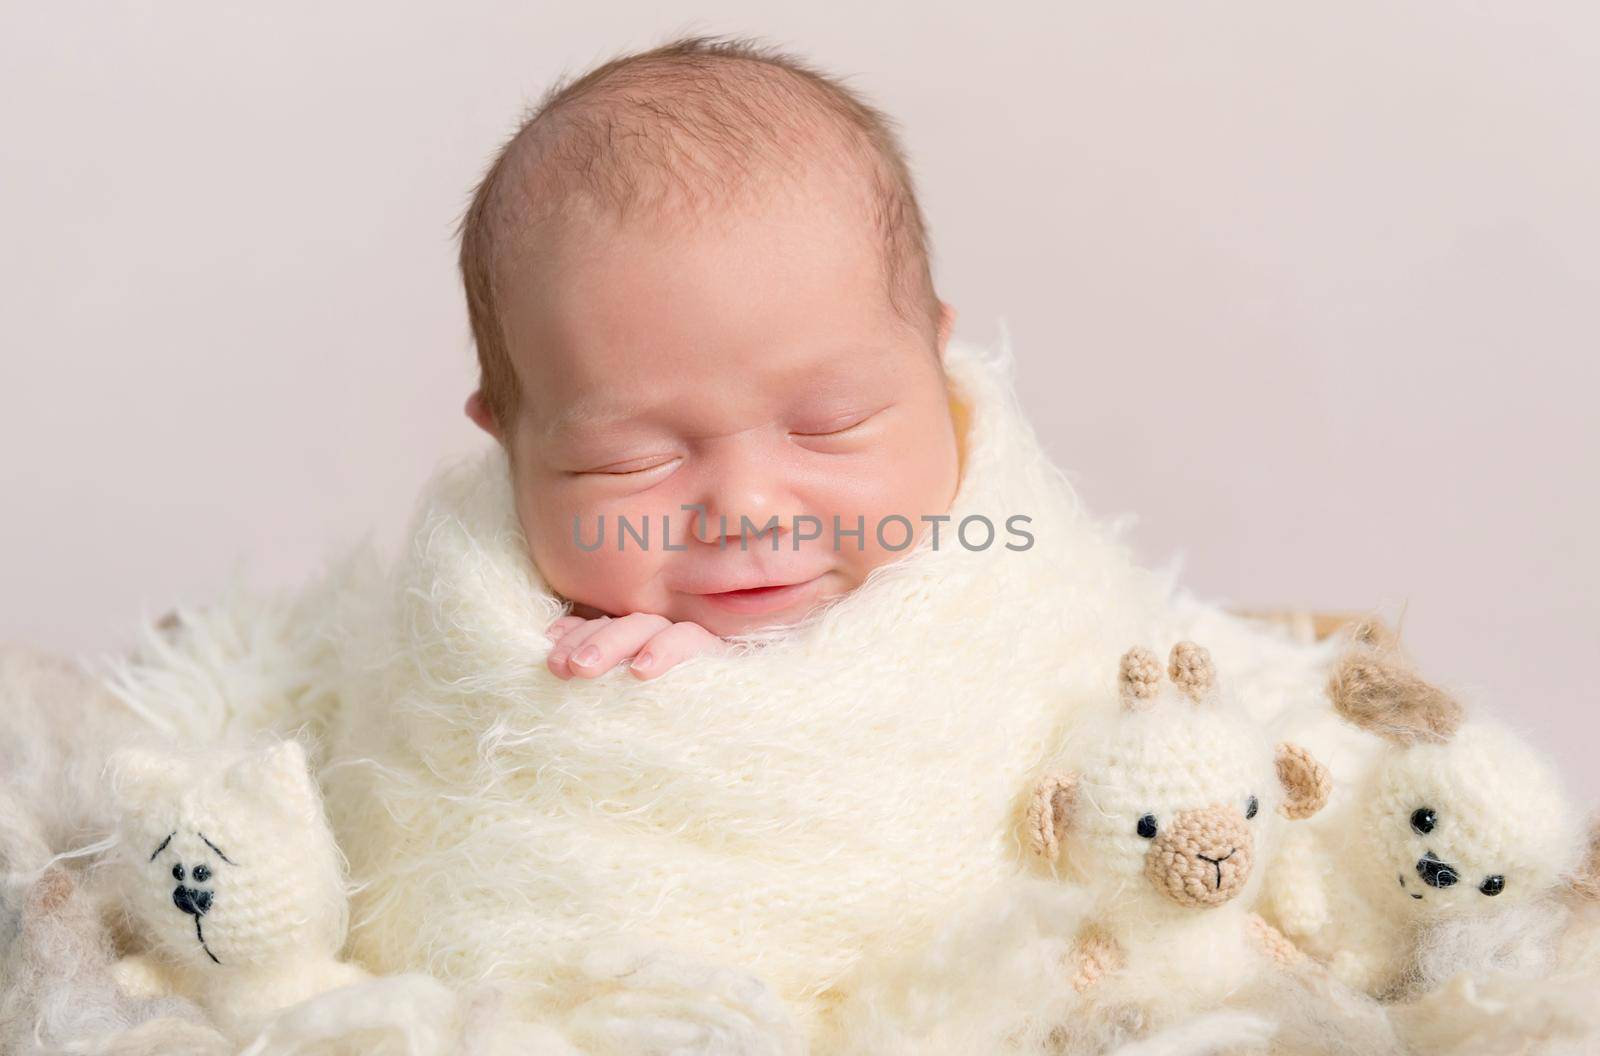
<point x="1454" y="818"/>
<point x="229" y="873"/>
<point x="1165" y="812"/>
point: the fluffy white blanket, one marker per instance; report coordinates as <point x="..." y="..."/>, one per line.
<point x="828" y="791"/>
<point x="808" y="843"/>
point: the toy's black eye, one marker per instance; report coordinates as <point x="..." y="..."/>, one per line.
<point x="1251" y="807"/>
<point x="1493" y="885"/>
<point x="201" y="874"/>
<point x="1147" y="826"/>
<point x="1423" y="819"/>
<point x="177" y="872"/>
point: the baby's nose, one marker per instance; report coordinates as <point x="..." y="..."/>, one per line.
<point x="748" y="512"/>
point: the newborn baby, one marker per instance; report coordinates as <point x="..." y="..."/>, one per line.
<point x="700" y="291"/>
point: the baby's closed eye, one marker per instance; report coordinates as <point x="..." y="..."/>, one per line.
<point x="856" y="425"/>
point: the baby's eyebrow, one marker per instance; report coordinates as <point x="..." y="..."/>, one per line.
<point x="583" y="415"/>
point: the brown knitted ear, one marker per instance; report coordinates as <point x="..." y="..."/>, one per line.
<point x="1048" y="813"/>
<point x="1376" y="693"/>
<point x="1190" y="668"/>
<point x="1586" y="881"/>
<point x="1140" y="678"/>
<point x="1304" y="779"/>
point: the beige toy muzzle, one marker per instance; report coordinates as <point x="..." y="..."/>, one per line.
<point x="1201" y="858"/>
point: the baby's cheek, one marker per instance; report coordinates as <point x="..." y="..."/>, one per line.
<point x="891" y="499"/>
<point x="580" y="563"/>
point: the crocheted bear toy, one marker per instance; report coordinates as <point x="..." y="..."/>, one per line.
<point x="1165" y="812"/>
<point x="1455" y="818"/>
<point x="229" y="874"/>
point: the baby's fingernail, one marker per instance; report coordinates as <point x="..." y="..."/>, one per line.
<point x="589" y="654"/>
<point x="642" y="661"/>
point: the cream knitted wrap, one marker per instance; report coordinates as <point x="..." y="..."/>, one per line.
<point x="829" y="791"/>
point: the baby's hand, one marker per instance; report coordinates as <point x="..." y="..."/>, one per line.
<point x="587" y="648"/>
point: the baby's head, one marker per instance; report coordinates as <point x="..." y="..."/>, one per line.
<point x="699" y="277"/>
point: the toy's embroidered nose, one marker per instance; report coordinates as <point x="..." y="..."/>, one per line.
<point x="1435" y="873"/>
<point x="193" y="902"/>
<point x="1217" y="863"/>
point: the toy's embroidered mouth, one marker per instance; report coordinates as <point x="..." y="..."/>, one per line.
<point x="1401" y="877"/>
<point x="195" y="903"/>
<point x="1216" y="863"/>
<point x="198" y="934"/>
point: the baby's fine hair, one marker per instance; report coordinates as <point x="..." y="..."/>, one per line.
<point x="685" y="125"/>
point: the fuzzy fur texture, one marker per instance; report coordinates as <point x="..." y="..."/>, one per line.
<point x="56" y="960"/>
<point x="815" y="842"/>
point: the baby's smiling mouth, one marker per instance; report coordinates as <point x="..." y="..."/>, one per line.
<point x="1402" y="878"/>
<point x="768" y="597"/>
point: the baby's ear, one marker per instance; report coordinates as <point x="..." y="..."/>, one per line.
<point x="482" y="414"/>
<point x="1305" y="782"/>
<point x="1380" y="695"/>
<point x="947" y="325"/>
<point x="1049" y="811"/>
<point x="139" y="778"/>
<point x="277" y="775"/>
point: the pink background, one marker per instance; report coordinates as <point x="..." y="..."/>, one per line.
<point x="1315" y="289"/>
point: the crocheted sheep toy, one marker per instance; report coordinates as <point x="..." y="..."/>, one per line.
<point x="1165" y="813"/>
<point x="229" y="873"/>
<point x="1455" y="818"/>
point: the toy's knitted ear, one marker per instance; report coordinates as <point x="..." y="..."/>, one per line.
<point x="1305" y="782"/>
<point x="1378" y="694"/>
<point x="1191" y="670"/>
<point x="1049" y="812"/>
<point x="1139" y="678"/>
<point x="140" y="778"/>
<point x="1586" y="881"/>
<point x="278" y="775"/>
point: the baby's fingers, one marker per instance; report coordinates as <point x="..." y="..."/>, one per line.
<point x="620" y="638"/>
<point x="562" y="652"/>
<point x="562" y="627"/>
<point x="673" y="646"/>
